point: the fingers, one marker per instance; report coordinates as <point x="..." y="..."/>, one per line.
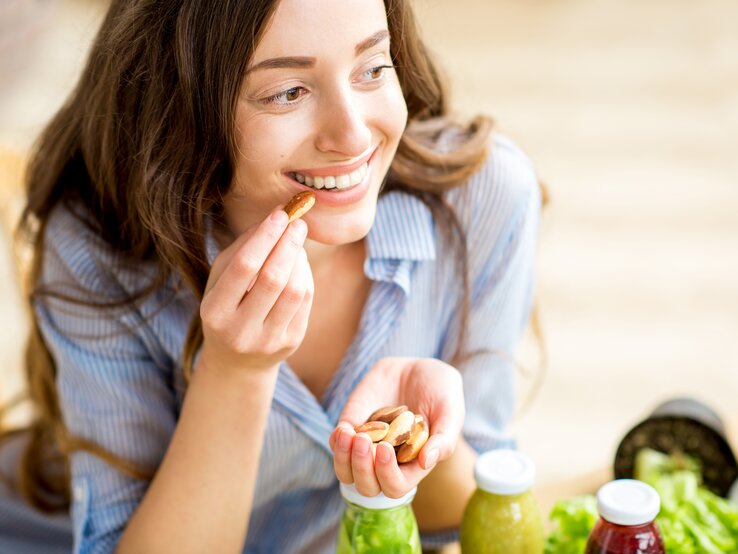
<point x="379" y="471"/>
<point x="353" y="459"/>
<point x="373" y="468"/>
<point x="239" y="264"/>
<point x="389" y="475"/>
<point x="333" y="438"/>
<point x="362" y="466"/>
<point x="274" y="278"/>
<point x="396" y="480"/>
<point x="343" y="443"/>
<point x="439" y="447"/>
<point x="299" y="322"/>
<point x="291" y="312"/>
<point x="263" y="275"/>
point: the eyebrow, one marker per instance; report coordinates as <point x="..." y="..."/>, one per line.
<point x="373" y="40"/>
<point x="303" y="62"/>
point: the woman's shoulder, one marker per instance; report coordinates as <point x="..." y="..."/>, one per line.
<point x="75" y="254"/>
<point x="71" y="248"/>
<point x="507" y="178"/>
<point x="69" y="225"/>
<point x="502" y="192"/>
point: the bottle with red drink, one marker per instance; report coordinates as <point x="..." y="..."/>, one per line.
<point x="626" y="526"/>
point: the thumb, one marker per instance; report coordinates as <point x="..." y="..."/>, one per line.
<point x="440" y="446"/>
<point x="445" y="429"/>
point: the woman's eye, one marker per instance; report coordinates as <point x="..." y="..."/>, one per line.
<point x="376" y="73"/>
<point x="286" y="97"/>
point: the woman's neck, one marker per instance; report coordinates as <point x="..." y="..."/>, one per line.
<point x="322" y="257"/>
<point x="327" y="258"/>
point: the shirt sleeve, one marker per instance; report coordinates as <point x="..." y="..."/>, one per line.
<point x="502" y="209"/>
<point x="113" y="390"/>
<point x="505" y="221"/>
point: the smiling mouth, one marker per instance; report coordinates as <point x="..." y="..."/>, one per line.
<point x="333" y="182"/>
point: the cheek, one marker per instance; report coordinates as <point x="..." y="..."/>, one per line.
<point x="263" y="142"/>
<point x="393" y="113"/>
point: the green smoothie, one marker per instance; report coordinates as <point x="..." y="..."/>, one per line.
<point x="504" y="524"/>
<point x="389" y="531"/>
<point x="377" y="524"/>
<point x="502" y="516"/>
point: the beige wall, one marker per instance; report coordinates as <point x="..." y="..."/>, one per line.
<point x="630" y="110"/>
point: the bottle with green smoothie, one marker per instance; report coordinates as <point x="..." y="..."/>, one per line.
<point x="502" y="515"/>
<point x="377" y="524"/>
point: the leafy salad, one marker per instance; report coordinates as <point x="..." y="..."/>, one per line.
<point x="692" y="520"/>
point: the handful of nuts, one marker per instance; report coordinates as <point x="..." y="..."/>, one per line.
<point x="400" y="427"/>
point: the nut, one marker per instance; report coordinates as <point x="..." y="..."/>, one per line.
<point x="387" y="414"/>
<point x="300" y="204"/>
<point x="401" y="428"/>
<point x="419" y="436"/>
<point x="376" y="430"/>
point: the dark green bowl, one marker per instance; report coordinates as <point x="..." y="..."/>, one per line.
<point x="689" y="426"/>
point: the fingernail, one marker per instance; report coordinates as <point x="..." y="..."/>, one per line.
<point x="383" y="455"/>
<point x="362" y="445"/>
<point x="279" y="216"/>
<point x="431" y="459"/>
<point x="344" y="441"/>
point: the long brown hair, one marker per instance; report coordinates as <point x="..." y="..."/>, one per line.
<point x="146" y="144"/>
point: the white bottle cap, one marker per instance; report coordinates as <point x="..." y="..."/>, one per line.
<point x="504" y="472"/>
<point x="628" y="502"/>
<point x="379" y="502"/>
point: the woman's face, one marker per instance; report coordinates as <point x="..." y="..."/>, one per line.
<point x="318" y="110"/>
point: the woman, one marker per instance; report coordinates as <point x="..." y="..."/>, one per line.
<point x="207" y="358"/>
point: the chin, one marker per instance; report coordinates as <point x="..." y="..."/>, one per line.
<point x="333" y="238"/>
<point x="340" y="232"/>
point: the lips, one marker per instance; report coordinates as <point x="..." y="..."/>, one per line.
<point x="330" y="182"/>
<point x="334" y="179"/>
<point x="336" y="197"/>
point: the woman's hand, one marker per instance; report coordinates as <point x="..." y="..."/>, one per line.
<point x="428" y="387"/>
<point x="258" y="297"/>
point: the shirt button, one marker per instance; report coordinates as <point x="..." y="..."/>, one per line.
<point x="78" y="493"/>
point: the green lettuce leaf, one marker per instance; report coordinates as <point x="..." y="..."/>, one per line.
<point x="692" y="520"/>
<point x="572" y="520"/>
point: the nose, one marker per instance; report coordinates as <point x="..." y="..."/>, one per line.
<point x="342" y="126"/>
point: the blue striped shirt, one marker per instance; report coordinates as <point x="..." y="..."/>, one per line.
<point x="120" y="375"/>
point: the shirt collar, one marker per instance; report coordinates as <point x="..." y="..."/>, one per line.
<point x="403" y="229"/>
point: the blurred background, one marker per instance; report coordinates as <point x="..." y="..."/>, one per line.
<point x="629" y="109"/>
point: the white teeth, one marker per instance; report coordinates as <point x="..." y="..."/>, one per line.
<point x="337" y="182"/>
<point x="343" y="181"/>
